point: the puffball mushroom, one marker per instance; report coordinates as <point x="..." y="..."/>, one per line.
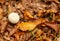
<point x="13" y="17"/>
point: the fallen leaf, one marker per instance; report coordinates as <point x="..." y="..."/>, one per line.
<point x="2" y="1"/>
<point x="1" y="13"/>
<point x="47" y="39"/>
<point x="39" y="32"/>
<point x="27" y="15"/>
<point x="53" y="26"/>
<point x="58" y="39"/>
<point x="40" y="13"/>
<point x="24" y="26"/>
<point x="17" y="34"/>
<point x="3" y="25"/>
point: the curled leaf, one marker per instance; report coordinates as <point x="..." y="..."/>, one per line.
<point x="13" y="31"/>
<point x="47" y="39"/>
<point x="1" y="16"/>
<point x="40" y="12"/>
<point x="3" y="25"/>
<point x="39" y="32"/>
<point x="17" y="34"/>
<point x="56" y="1"/>
<point x="24" y="26"/>
<point x="9" y="8"/>
<point x="27" y="15"/>
<point x="1" y="13"/>
<point x="53" y="26"/>
<point x="51" y="10"/>
<point x="2" y="1"/>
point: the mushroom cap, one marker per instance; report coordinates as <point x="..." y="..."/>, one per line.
<point x="13" y="17"/>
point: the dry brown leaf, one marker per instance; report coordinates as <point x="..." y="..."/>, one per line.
<point x="53" y="26"/>
<point x="7" y="38"/>
<point x="40" y="12"/>
<point x="20" y="6"/>
<point x="24" y="26"/>
<point x="1" y="16"/>
<point x="2" y="1"/>
<point x="51" y="10"/>
<point x="1" y="13"/>
<point x="13" y="31"/>
<point x="10" y="8"/>
<point x="47" y="39"/>
<point x="27" y="15"/>
<point x="53" y="18"/>
<point x="58" y="39"/>
<point x="15" y="39"/>
<point x="3" y="25"/>
<point x="17" y="34"/>
<point x="56" y="1"/>
<point x="39" y="32"/>
<point x="1" y="10"/>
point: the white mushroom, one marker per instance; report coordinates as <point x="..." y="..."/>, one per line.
<point x="13" y="17"/>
